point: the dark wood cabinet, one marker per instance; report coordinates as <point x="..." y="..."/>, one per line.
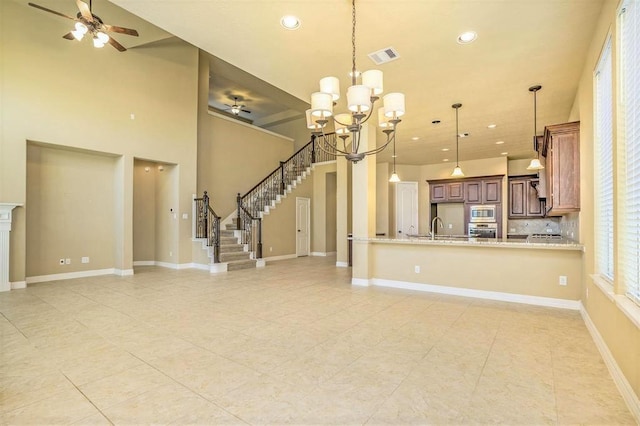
<point x="492" y="191"/>
<point x="454" y="191"/>
<point x="473" y="192"/>
<point x="561" y="148"/>
<point x="438" y="192"/>
<point x="523" y="198"/>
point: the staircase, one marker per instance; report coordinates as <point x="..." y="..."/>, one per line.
<point x="239" y="245"/>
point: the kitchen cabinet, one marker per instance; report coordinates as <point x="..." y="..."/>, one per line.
<point x="485" y="190"/>
<point x="491" y="191"/>
<point x="473" y="192"/>
<point x="561" y="149"/>
<point x="523" y="198"/>
<point x="446" y="192"/>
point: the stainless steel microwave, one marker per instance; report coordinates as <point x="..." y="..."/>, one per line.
<point x="482" y="213"/>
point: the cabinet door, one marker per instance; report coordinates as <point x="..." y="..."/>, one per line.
<point x="491" y="191"/>
<point x="473" y="192"/>
<point x="454" y="191"/>
<point x="438" y="192"/>
<point x="533" y="204"/>
<point x="517" y="198"/>
<point x="563" y="168"/>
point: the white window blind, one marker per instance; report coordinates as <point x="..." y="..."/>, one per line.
<point x="604" y="164"/>
<point x="630" y="139"/>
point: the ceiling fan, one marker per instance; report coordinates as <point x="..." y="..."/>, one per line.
<point x="87" y="22"/>
<point x="236" y="108"/>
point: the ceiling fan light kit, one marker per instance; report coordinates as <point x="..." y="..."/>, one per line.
<point x="88" y="23"/>
<point x="361" y="99"/>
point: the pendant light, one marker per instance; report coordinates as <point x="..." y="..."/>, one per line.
<point x="394" y="176"/>
<point x="457" y="172"/>
<point x="535" y="163"/>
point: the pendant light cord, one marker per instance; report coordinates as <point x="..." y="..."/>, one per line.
<point x="353" y="42"/>
<point x="457" y="138"/>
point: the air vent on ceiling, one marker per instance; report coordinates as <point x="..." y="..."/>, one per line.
<point x="385" y="55"/>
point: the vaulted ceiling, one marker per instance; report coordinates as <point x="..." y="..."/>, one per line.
<point x="520" y="43"/>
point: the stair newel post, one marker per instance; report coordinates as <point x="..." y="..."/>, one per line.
<point x="259" y="244"/>
<point x="313" y="149"/>
<point x="282" y="186"/>
<point x="238" y="219"/>
<point x="216" y="245"/>
<point x="205" y="213"/>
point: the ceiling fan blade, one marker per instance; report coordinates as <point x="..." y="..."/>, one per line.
<point x="69" y="36"/>
<point x="117" y="45"/>
<point x="84" y="10"/>
<point x="246" y="110"/>
<point x="121" y="30"/>
<point x="50" y="11"/>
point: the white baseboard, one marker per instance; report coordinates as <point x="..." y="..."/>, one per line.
<point x="144" y="262"/>
<point x="200" y="266"/>
<point x="322" y="253"/>
<point x="216" y="268"/>
<point x="261" y="263"/>
<point x="69" y="275"/>
<point x="342" y="264"/>
<point x="16" y="285"/>
<point x="360" y="282"/>
<point x="629" y="396"/>
<point x="283" y="257"/>
<point x="123" y="272"/>
<point x="481" y="294"/>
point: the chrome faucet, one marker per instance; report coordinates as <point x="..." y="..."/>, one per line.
<point x="433" y="226"/>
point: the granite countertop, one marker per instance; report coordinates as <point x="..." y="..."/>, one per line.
<point x="463" y="241"/>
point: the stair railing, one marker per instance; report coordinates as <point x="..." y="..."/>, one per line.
<point x="251" y="204"/>
<point x="208" y="225"/>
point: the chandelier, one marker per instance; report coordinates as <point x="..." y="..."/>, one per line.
<point x="361" y="99"/>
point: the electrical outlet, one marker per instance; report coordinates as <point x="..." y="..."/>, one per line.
<point x="270" y="249"/>
<point x="67" y="261"/>
<point x="450" y="226"/>
<point x="417" y="269"/>
<point x="512" y="229"/>
<point x="61" y="261"/>
<point x="587" y="292"/>
<point x="185" y="215"/>
<point x="170" y="253"/>
<point x="85" y="259"/>
<point x="562" y="280"/>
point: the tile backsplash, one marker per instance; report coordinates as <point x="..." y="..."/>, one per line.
<point x="569" y="226"/>
<point x="550" y="225"/>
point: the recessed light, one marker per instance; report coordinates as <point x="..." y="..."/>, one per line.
<point x="503" y="153"/>
<point x="445" y="149"/>
<point x="467" y="37"/>
<point x="445" y="160"/>
<point x="415" y="138"/>
<point x="491" y="126"/>
<point x="435" y="122"/>
<point x="499" y="142"/>
<point x="290" y="22"/>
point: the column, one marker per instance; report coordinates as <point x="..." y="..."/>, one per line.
<point x="5" y="229"/>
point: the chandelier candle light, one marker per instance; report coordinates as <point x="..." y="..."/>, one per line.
<point x="361" y="99"/>
<point x="535" y="163"/>
<point x="457" y="172"/>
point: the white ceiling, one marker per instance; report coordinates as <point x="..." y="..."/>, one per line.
<point x="520" y="43"/>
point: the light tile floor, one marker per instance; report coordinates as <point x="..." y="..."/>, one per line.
<point x="292" y="343"/>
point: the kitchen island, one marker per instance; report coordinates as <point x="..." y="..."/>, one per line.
<point x="547" y="272"/>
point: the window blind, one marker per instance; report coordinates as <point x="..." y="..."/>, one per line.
<point x="604" y="164"/>
<point x="630" y="155"/>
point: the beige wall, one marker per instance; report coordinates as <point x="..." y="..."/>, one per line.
<point x="323" y="208"/>
<point x="294" y="129"/>
<point x="383" y="200"/>
<point x="233" y="157"/>
<point x="279" y="226"/>
<point x="144" y="210"/>
<point x="620" y="334"/>
<point x="72" y="95"/>
<point x="481" y="268"/>
<point x="331" y="208"/>
<point x="71" y="199"/>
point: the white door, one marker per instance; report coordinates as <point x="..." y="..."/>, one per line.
<point x="406" y="208"/>
<point x="303" y="224"/>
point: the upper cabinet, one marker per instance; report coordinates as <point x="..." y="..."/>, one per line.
<point x="483" y="190"/>
<point x="561" y="149"/>
<point x="523" y="198"/>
